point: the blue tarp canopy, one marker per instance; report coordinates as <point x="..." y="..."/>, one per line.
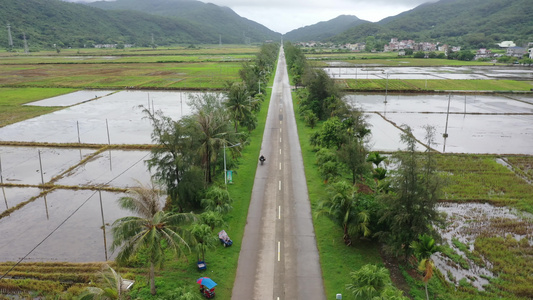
<point x="207" y="282"/>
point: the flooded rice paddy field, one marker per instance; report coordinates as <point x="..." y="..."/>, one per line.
<point x="72" y="218"/>
<point x="430" y="73"/>
<point x="119" y="112"/>
<point x="467" y="221"/>
<point x="79" y="239"/>
<point x="475" y="124"/>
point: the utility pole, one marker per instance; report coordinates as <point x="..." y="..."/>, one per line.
<point x="220" y="40"/>
<point x="9" y="37"/>
<point x="26" y="50"/>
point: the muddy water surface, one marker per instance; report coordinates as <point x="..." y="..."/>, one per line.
<point x="465" y="222"/>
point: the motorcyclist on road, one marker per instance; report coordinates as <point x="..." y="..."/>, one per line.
<point x="262" y="159"/>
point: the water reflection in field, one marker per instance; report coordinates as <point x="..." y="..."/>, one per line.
<point x="79" y="239"/>
<point x="120" y="112"/>
<point x="432" y="73"/>
<point x="476" y="124"/>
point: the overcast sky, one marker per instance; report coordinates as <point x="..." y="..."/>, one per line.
<point x="285" y="15"/>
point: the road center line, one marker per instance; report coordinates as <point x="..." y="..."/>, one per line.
<point x="279" y="250"/>
<point x="280" y="166"/>
<point x="279" y="212"/>
<point x="280" y="185"/>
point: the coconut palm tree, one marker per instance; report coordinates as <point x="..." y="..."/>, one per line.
<point x="239" y="104"/>
<point x="211" y="127"/>
<point x="342" y="207"/>
<point x="109" y="288"/>
<point x="423" y="249"/>
<point x="152" y="230"/>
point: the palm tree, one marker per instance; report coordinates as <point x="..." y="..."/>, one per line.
<point x="152" y="231"/>
<point x="205" y="238"/>
<point x="110" y="287"/>
<point x="369" y="282"/>
<point x="217" y="199"/>
<point x="239" y="104"/>
<point x="211" y="127"/>
<point x="423" y="249"/>
<point x="342" y="207"/>
<point x="375" y="158"/>
<point x="213" y="219"/>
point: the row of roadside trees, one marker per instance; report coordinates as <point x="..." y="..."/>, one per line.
<point x="395" y="207"/>
<point x="180" y="212"/>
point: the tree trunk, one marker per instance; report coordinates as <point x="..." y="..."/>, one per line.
<point x="427" y="296"/>
<point x="152" y="278"/>
<point x="346" y="236"/>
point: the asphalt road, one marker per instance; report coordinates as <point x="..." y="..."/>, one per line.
<point x="279" y="258"/>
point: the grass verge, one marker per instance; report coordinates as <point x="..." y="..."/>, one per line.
<point x="336" y="259"/>
<point x="221" y="262"/>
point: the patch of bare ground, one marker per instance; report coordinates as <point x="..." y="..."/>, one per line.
<point x="396" y="276"/>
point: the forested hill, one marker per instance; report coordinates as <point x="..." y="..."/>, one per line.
<point x="323" y="30"/>
<point x="474" y="23"/>
<point x="208" y="17"/>
<point x="49" y="22"/>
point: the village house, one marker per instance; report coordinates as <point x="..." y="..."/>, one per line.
<point x="516" y="51"/>
<point x="395" y="45"/>
<point x="426" y="46"/>
<point x="506" y="44"/>
<point x="357" y="47"/>
<point x="483" y="53"/>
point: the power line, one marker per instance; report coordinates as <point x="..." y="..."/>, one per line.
<point x="64" y="221"/>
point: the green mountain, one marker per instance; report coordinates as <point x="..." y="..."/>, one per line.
<point x="49" y="22"/>
<point x="212" y="19"/>
<point x="471" y="23"/>
<point x="323" y="30"/>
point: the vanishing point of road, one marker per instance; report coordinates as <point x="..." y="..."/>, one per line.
<point x="279" y="257"/>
